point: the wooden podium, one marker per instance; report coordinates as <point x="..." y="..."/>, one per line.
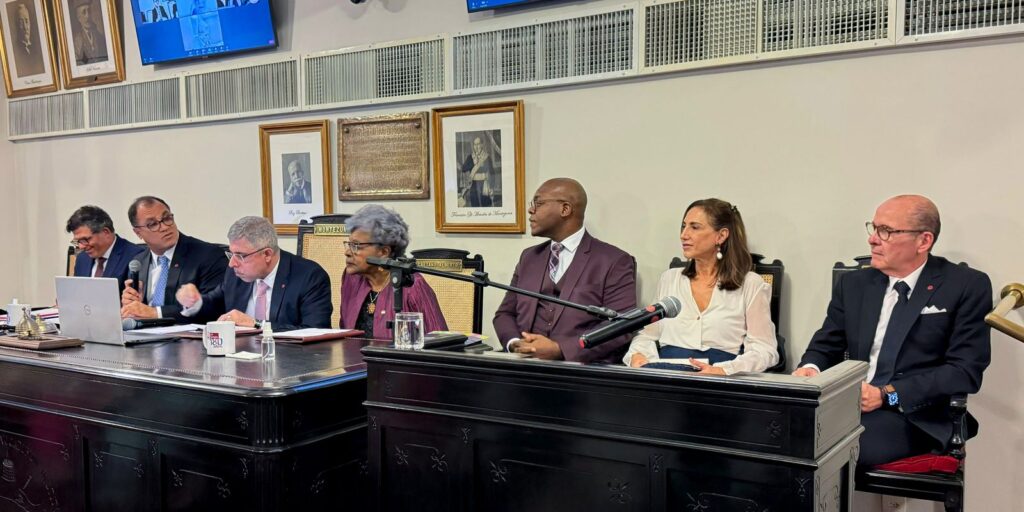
<point x="451" y="430"/>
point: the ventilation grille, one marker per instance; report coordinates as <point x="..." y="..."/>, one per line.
<point x="790" y="24"/>
<point x="46" y="114"/>
<point x="265" y="87"/>
<point x="394" y="71"/>
<point x="696" y="30"/>
<point x="144" y="102"/>
<point x="933" y="16"/>
<point x="577" y="47"/>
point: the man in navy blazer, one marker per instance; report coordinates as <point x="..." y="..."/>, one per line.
<point x="267" y="284"/>
<point x="173" y="259"/>
<point x="101" y="252"/>
<point x="919" y="322"/>
<point x="573" y="266"/>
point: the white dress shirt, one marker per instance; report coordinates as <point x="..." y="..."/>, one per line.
<point x="154" y="276"/>
<point x="106" y="259"/>
<point x="733" y="319"/>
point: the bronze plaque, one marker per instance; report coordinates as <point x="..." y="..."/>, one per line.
<point x="383" y="157"/>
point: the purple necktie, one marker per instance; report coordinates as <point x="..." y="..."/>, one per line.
<point x="556" y="249"/>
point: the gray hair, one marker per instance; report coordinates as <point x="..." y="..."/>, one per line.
<point x="384" y="225"/>
<point x="258" y="231"/>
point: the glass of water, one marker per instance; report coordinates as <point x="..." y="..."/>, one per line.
<point x="409" y="330"/>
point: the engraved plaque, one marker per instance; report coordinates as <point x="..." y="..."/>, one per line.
<point x="383" y="157"/>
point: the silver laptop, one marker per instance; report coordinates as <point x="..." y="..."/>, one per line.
<point x="90" y="310"/>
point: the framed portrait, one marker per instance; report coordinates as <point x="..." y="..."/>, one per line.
<point x="478" y="168"/>
<point x="295" y="164"/>
<point x="90" y="42"/>
<point x="30" y="65"/>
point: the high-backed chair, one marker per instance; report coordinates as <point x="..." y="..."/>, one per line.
<point x="772" y="274"/>
<point x="893" y="479"/>
<point x="72" y="256"/>
<point x="461" y="302"/>
<point x="323" y="241"/>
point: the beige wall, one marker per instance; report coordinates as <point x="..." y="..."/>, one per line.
<point x="806" y="149"/>
<point x="15" y="250"/>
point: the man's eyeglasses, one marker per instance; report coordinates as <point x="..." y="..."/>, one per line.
<point x="536" y="203"/>
<point x="358" y="246"/>
<point x="885" y="232"/>
<point x="78" y="242"/>
<point x="154" y="225"/>
<point x="239" y="256"/>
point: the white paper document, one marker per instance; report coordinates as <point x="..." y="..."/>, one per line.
<point x="170" y="329"/>
<point x="310" y="332"/>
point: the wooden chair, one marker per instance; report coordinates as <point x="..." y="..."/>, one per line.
<point x="323" y="241"/>
<point x="947" y="488"/>
<point x="772" y="274"/>
<point x="72" y="256"/>
<point x="461" y="302"/>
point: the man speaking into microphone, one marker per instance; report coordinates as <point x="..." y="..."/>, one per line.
<point x="573" y="266"/>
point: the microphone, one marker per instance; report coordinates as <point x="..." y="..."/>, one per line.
<point x="133" y="274"/>
<point x="402" y="263"/>
<point x="631" y="321"/>
<point x="129" y="324"/>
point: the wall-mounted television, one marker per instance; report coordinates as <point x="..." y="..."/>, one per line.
<point x="484" y="5"/>
<point x="170" y="30"/>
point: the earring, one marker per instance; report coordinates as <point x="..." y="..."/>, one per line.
<point x="718" y="255"/>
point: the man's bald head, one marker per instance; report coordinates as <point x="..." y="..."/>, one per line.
<point x="558" y="208"/>
<point x="570" y="190"/>
<point x="921" y="212"/>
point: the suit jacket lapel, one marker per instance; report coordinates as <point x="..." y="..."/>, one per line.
<point x="174" y="273"/>
<point x="115" y="257"/>
<point x="903" y="320"/>
<point x="573" y="273"/>
<point x="145" y="259"/>
<point x="872" y="309"/>
<point x="280" y="286"/>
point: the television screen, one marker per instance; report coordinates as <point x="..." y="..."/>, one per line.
<point x="483" y="5"/>
<point x="170" y="30"/>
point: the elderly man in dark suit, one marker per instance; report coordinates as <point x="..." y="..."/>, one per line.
<point x="266" y="284"/>
<point x="102" y="253"/>
<point x="918" y="320"/>
<point x="573" y="266"/>
<point x="173" y="259"/>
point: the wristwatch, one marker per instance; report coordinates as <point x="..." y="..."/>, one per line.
<point x="257" y="324"/>
<point x="892" y="398"/>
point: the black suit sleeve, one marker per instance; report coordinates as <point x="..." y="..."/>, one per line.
<point x="829" y="343"/>
<point x="209" y="276"/>
<point x="314" y="304"/>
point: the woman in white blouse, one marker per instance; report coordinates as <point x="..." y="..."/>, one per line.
<point x="725" y="318"/>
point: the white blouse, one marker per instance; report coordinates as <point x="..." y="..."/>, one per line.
<point x="733" y="319"/>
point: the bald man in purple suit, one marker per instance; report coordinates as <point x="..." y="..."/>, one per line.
<point x="573" y="266"/>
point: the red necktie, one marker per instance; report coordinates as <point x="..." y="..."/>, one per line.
<point x="99" y="267"/>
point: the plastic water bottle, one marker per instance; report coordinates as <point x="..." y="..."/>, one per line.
<point x="267" y="349"/>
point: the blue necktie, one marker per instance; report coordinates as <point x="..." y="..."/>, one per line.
<point x="161" y="283"/>
<point x="886" y="365"/>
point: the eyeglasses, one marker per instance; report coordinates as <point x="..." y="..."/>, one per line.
<point x="536" y="203"/>
<point x="357" y="246"/>
<point x="78" y="242"/>
<point x="885" y="232"/>
<point x="154" y="225"/>
<point x="239" y="256"/>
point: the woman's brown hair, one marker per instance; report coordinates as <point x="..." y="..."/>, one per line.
<point x="736" y="260"/>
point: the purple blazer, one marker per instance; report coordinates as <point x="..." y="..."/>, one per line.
<point x="600" y="275"/>
<point x="418" y="297"/>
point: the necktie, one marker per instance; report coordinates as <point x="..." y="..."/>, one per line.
<point x="99" y="267"/>
<point x="887" y="355"/>
<point x="261" y="300"/>
<point x="556" y="249"/>
<point x="161" y="282"/>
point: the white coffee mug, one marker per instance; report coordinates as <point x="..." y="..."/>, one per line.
<point x="219" y="338"/>
<point x="15" y="312"/>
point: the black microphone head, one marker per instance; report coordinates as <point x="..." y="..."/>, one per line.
<point x="671" y="305"/>
<point x="134" y="266"/>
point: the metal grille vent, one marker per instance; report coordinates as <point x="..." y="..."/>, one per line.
<point x="389" y="72"/>
<point x="46" y="114"/>
<point x="158" y="100"/>
<point x="264" y="87"/>
<point x="577" y="47"/>
<point x="790" y="24"/>
<point x="696" y="30"/>
<point x="933" y="16"/>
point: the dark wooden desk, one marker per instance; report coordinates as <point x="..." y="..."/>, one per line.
<point x="164" y="427"/>
<point x="454" y="431"/>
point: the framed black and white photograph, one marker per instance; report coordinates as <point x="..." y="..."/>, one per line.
<point x="30" y="64"/>
<point x="90" y="42"/>
<point x="296" y="171"/>
<point x="478" y="168"/>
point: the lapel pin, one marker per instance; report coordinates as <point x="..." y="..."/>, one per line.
<point x="930" y="287"/>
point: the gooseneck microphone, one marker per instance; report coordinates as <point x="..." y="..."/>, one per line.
<point x="635" y="320"/>
<point x="129" y="324"/>
<point x="133" y="274"/>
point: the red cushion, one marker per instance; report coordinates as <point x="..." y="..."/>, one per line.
<point x="923" y="464"/>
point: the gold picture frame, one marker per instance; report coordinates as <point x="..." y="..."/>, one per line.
<point x="475" y="148"/>
<point x="289" y="153"/>
<point x="384" y="157"/>
<point x="90" y="42"/>
<point x="26" y="48"/>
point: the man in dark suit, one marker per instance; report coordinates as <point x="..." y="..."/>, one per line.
<point x="573" y="266"/>
<point x="918" y="320"/>
<point x="267" y="284"/>
<point x="102" y="253"/>
<point x="173" y="259"/>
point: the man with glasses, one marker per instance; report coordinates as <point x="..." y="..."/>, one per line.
<point x="101" y="252"/>
<point x="573" y="266"/>
<point x="918" y="320"/>
<point x="267" y="284"/>
<point x="173" y="259"/>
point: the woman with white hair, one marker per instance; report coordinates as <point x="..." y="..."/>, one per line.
<point x="367" y="297"/>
